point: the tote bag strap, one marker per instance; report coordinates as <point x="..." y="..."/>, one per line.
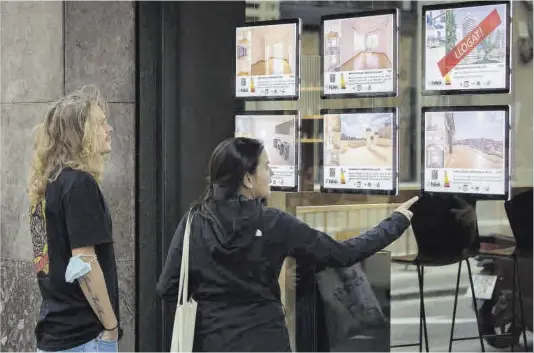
<point x="184" y="268"/>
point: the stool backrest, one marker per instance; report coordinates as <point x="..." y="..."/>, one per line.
<point x="445" y="227"/>
<point x="519" y="211"/>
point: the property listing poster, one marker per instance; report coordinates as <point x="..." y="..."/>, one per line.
<point x="359" y="151"/>
<point x="465" y="48"/>
<point x="358" y="55"/>
<point x="465" y="152"/>
<point x="277" y="133"/>
<point x="266" y="61"/>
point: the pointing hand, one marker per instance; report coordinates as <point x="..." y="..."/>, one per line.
<point x="405" y="207"/>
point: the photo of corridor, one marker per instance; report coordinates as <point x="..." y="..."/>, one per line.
<point x="277" y="132"/>
<point x="266" y="50"/>
<point x="365" y="140"/>
<point x="465" y="139"/>
<point x="358" y="43"/>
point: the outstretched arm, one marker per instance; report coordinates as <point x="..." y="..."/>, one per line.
<point x="315" y="247"/>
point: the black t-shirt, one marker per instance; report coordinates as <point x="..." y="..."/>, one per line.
<point x="72" y="215"/>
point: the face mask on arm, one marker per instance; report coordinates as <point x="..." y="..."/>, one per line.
<point x="78" y="268"/>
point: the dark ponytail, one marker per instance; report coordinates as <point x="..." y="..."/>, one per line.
<point x="204" y="199"/>
<point x="208" y="194"/>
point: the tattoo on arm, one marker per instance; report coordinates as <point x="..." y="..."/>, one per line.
<point x="94" y="298"/>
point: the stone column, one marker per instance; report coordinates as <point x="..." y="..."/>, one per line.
<point x="49" y="49"/>
<point x="32" y="78"/>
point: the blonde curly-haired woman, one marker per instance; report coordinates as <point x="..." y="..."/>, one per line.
<point x="71" y="230"/>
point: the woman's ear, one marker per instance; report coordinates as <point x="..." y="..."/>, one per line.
<point x="247" y="181"/>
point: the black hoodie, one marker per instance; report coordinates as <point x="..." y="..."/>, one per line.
<point x="236" y="254"/>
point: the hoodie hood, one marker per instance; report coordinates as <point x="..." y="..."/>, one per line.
<point x="234" y="223"/>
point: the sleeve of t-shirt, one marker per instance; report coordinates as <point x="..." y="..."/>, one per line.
<point x="314" y="247"/>
<point x="85" y="214"/>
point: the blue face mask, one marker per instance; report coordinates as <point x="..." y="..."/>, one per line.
<point x="77" y="268"/>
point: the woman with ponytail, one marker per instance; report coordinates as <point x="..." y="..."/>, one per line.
<point x="237" y="248"/>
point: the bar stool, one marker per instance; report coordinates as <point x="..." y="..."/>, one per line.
<point x="442" y="239"/>
<point x="519" y="211"/>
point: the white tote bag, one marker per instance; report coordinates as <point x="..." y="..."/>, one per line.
<point x="183" y="332"/>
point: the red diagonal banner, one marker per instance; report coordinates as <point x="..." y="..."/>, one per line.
<point x="470" y="42"/>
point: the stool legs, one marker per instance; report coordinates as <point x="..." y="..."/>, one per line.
<point x="514" y="273"/>
<point x="422" y="314"/>
<point x="475" y="306"/>
<point x="455" y="304"/>
<point x="516" y="283"/>
<point x="521" y="312"/>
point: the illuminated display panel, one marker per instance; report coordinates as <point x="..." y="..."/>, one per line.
<point x="360" y="150"/>
<point x="466" y="48"/>
<point x="466" y="150"/>
<point x="267" y="60"/>
<point x="359" y="54"/>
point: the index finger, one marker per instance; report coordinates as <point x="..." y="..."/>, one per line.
<point x="411" y="201"/>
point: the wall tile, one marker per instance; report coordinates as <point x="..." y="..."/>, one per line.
<point x="32" y="53"/>
<point x="19" y="305"/>
<point x="118" y="184"/>
<point x="100" y="47"/>
<point x="126" y="272"/>
<point x="18" y="121"/>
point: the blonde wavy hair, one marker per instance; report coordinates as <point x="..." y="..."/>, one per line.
<point x="67" y="137"/>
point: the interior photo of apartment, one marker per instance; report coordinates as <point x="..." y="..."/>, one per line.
<point x="267" y="50"/>
<point x="243" y="39"/>
<point x="364" y="43"/>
